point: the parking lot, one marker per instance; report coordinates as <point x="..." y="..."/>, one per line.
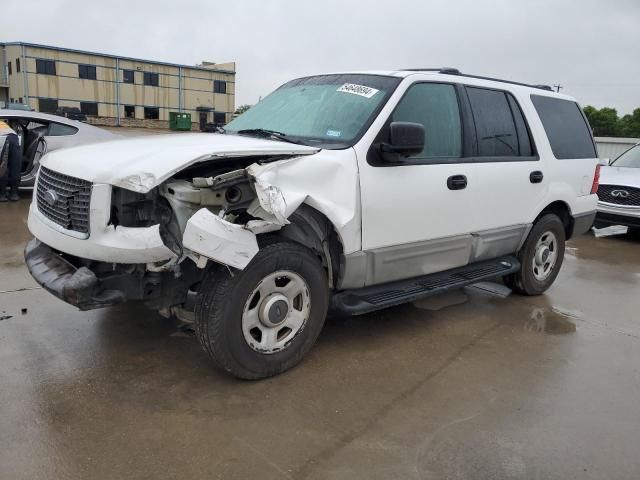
<point x="463" y="385"/>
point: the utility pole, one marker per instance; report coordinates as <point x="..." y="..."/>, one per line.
<point x="558" y="87"/>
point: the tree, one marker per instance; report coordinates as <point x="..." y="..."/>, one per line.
<point x="242" y="108"/>
<point x="604" y="122"/>
<point x="630" y="124"/>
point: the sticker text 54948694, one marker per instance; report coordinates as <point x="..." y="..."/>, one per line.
<point x="361" y="90"/>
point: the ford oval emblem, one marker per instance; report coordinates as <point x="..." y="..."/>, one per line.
<point x="51" y="197"/>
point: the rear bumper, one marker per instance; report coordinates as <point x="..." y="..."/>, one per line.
<point x="582" y="223"/>
<point x="77" y="286"/>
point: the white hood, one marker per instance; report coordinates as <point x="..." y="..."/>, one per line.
<point x="142" y="163"/>
<point x="628" y="177"/>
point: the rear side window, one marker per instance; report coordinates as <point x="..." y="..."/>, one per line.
<point x="500" y="126"/>
<point x="60" y="130"/>
<point x="435" y="106"/>
<point x="565" y="126"/>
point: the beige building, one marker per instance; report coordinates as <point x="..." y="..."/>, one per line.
<point x="115" y="90"/>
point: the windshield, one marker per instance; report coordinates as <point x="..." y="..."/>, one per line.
<point x="330" y="111"/>
<point x="629" y="159"/>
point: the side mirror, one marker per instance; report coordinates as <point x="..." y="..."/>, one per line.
<point x="406" y="138"/>
<point x="604" y="162"/>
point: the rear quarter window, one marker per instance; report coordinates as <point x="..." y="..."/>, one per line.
<point x="566" y="127"/>
<point x="60" y="130"/>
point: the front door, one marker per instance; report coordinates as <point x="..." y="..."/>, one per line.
<point x="418" y="214"/>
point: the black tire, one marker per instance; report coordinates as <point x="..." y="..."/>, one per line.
<point x="525" y="282"/>
<point x="224" y="295"/>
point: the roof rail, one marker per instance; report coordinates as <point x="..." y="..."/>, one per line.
<point x="455" y="71"/>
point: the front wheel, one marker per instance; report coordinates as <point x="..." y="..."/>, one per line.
<point x="540" y="257"/>
<point x="262" y="320"/>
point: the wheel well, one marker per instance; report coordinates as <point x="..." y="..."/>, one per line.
<point x="315" y="231"/>
<point x="561" y="210"/>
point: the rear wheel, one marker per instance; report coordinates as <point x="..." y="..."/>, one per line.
<point x="540" y="258"/>
<point x="262" y="320"/>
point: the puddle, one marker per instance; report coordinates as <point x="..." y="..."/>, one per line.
<point x="443" y="300"/>
<point x="550" y="321"/>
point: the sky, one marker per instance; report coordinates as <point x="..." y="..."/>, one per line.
<point x="590" y="47"/>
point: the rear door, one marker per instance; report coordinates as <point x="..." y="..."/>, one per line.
<point x="510" y="176"/>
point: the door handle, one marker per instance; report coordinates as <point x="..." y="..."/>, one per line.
<point x="536" y="177"/>
<point x="457" y="182"/>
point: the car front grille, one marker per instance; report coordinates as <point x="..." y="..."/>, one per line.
<point x="619" y="195"/>
<point x="64" y="200"/>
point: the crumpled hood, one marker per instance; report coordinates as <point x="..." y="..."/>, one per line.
<point x="613" y="175"/>
<point x="142" y="163"/>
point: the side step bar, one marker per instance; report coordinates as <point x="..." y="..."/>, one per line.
<point x="376" y="297"/>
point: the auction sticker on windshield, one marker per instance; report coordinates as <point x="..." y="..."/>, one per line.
<point x="361" y="90"/>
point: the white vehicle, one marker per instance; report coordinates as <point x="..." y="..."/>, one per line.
<point x="619" y="192"/>
<point x="353" y="192"/>
<point x="40" y="133"/>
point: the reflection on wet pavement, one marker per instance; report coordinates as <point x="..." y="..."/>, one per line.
<point x="465" y="385"/>
<point x="551" y="321"/>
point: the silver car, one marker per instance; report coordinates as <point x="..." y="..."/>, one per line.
<point x="619" y="192"/>
<point x="40" y="133"/>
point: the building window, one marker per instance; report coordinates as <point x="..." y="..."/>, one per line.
<point x="19" y="99"/>
<point x="47" y="105"/>
<point x="151" y="113"/>
<point x="17" y="65"/>
<point x="129" y="111"/>
<point x="9" y="68"/>
<point x="151" y="79"/>
<point x="45" y="67"/>
<point x="128" y="76"/>
<point x="87" y="72"/>
<point x="89" y="108"/>
<point x="219" y="118"/>
<point x="219" y="86"/>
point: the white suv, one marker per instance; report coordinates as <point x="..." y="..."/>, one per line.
<point x="350" y="192"/>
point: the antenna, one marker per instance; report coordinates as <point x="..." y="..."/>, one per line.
<point x="558" y="87"/>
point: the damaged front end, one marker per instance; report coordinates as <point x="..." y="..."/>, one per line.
<point x="210" y="211"/>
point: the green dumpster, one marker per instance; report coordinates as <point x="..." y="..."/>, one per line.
<point x="179" y="121"/>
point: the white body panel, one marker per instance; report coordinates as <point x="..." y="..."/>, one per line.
<point x="139" y="164"/>
<point x="373" y="209"/>
<point x="106" y="243"/>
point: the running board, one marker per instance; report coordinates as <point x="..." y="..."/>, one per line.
<point x="368" y="299"/>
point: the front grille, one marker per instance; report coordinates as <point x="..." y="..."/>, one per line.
<point x="619" y="195"/>
<point x="64" y="199"/>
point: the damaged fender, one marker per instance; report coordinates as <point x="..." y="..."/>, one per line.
<point x="224" y="242"/>
<point x="327" y="183"/>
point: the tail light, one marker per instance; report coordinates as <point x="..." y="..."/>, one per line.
<point x="596" y="180"/>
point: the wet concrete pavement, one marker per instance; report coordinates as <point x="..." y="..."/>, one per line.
<point x="460" y="386"/>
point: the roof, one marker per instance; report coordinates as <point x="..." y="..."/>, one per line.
<point x="447" y="74"/>
<point x="107" y="55"/>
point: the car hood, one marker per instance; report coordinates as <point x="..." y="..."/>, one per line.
<point x="629" y="177"/>
<point x="142" y="163"/>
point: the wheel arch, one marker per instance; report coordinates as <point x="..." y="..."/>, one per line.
<point x="563" y="211"/>
<point x="314" y="230"/>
